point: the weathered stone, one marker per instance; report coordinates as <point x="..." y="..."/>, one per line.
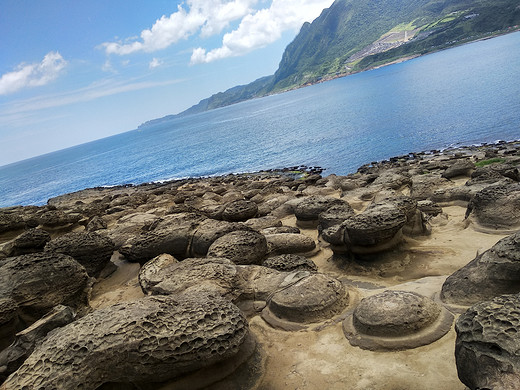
<point x="8" y="322"/>
<point x="283" y="243"/>
<point x="92" y="250"/>
<point x="95" y="224"/>
<point x="30" y="241"/>
<point x="429" y="207"/>
<point x="458" y="168"/>
<point x="150" y="273"/>
<point x="280" y="229"/>
<point x="263" y="222"/>
<point x="150" y="340"/>
<point x="334" y="215"/>
<point x="396" y="320"/>
<point x="239" y="210"/>
<point x="492" y="273"/>
<point x="290" y="263"/>
<point x="487" y="349"/>
<point x="208" y="231"/>
<point x="310" y="208"/>
<point x="496" y="207"/>
<point x="39" y="281"/>
<point x="241" y="247"/>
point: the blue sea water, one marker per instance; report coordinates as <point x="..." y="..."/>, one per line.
<point x="465" y="95"/>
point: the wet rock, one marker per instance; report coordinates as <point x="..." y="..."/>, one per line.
<point x="492" y="273"/>
<point x="290" y="263"/>
<point x="496" y="207"/>
<point x="396" y="320"/>
<point x="93" y="251"/>
<point x="30" y="241"/>
<point x="12" y="357"/>
<point x="241" y="247"/>
<point x="286" y="243"/>
<point x="308" y="210"/>
<point x="487" y="349"/>
<point x="239" y="210"/>
<point x="144" y="342"/>
<point x="458" y="168"/>
<point x="208" y="231"/>
<point x="39" y="281"/>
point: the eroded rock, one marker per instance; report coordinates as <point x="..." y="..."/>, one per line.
<point x="241" y="247"/>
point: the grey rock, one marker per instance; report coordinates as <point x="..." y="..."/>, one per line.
<point x="283" y="243"/>
<point x="208" y="231"/>
<point x="280" y="229"/>
<point x="30" y="241"/>
<point x="239" y="210"/>
<point x="95" y="224"/>
<point x="150" y="273"/>
<point x="241" y="247"/>
<point x="290" y="263"/>
<point x="310" y="208"/>
<point x="492" y="273"/>
<point x="487" y="349"/>
<point x="92" y="250"/>
<point x="458" y="168"/>
<point x="334" y="215"/>
<point x="147" y="341"/>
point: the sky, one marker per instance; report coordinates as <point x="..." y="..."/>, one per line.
<point x="75" y="71"/>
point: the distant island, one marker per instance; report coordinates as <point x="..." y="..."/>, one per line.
<point x="354" y="36"/>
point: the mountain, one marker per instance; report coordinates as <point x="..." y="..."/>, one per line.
<point x="354" y="35"/>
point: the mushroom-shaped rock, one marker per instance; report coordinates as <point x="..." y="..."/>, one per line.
<point x="208" y="231"/>
<point x="92" y="250"/>
<point x="494" y="272"/>
<point x="217" y="274"/>
<point x="487" y="349"/>
<point x="394" y="320"/>
<point x="334" y="215"/>
<point x="458" y="168"/>
<point x="377" y="228"/>
<point x="290" y="263"/>
<point x="307" y="298"/>
<point x="308" y="210"/>
<point x="30" y="241"/>
<point x="39" y="281"/>
<point x="150" y="340"/>
<point x="239" y="210"/>
<point x="280" y="229"/>
<point x="283" y="243"/>
<point x="496" y="207"/>
<point x="241" y="247"/>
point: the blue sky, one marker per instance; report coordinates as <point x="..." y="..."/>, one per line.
<point x="74" y="71"/>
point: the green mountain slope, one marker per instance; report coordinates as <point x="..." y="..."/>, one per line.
<point x="355" y="35"/>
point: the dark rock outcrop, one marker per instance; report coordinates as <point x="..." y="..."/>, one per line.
<point x="290" y="263"/>
<point x="239" y="210"/>
<point x="30" y="241"/>
<point x="458" y="168"/>
<point x="241" y="247"/>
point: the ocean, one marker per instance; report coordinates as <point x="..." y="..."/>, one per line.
<point x="465" y="95"/>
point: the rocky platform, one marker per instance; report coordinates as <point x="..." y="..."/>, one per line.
<point x="270" y="280"/>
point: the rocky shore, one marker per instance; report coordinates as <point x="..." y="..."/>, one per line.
<point x="404" y="275"/>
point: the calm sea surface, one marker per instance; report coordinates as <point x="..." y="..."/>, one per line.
<point x="465" y="95"/>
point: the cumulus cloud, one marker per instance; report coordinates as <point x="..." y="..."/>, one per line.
<point x="33" y="75"/>
<point x="258" y="29"/>
<point x="154" y="63"/>
<point x="207" y="16"/>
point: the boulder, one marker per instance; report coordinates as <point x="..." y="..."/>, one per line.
<point x="284" y="243"/>
<point x="150" y="273"/>
<point x="458" y="168"/>
<point x="487" y="349"/>
<point x="280" y="229"/>
<point x="492" y="273"/>
<point x="208" y="231"/>
<point x="143" y="342"/>
<point x="263" y="222"/>
<point x="239" y="210"/>
<point x="308" y="210"/>
<point x="241" y="247"/>
<point x="334" y="215"/>
<point x="30" y="241"/>
<point x="496" y="207"/>
<point x="290" y="263"/>
<point x="92" y="250"/>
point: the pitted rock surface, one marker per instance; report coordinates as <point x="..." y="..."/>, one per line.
<point x="334" y="215"/>
<point x="150" y="273"/>
<point x="286" y="243"/>
<point x="239" y="210"/>
<point x="290" y="263"/>
<point x="310" y="208"/>
<point x="241" y="247"/>
<point x="152" y="339"/>
<point x="494" y="272"/>
<point x="208" y="231"/>
<point x="487" y="349"/>
<point x="311" y="298"/>
<point x="396" y="320"/>
<point x="30" y="241"/>
<point x="496" y="207"/>
<point x="92" y="250"/>
<point x="39" y="281"/>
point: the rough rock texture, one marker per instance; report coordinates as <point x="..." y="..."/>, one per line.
<point x="95" y="224"/>
<point x="150" y="273"/>
<point x="311" y="298"/>
<point x="283" y="243"/>
<point x="459" y="168"/>
<point x="152" y="339"/>
<point x="92" y="250"/>
<point x="239" y="210"/>
<point x="30" y="241"/>
<point x="37" y="282"/>
<point x="396" y="320"/>
<point x="208" y="231"/>
<point x="241" y="247"/>
<point x="487" y="349"/>
<point x="12" y="357"/>
<point x="334" y="215"/>
<point x="310" y="208"/>
<point x="290" y="263"/>
<point x="8" y="321"/>
<point x="494" y="272"/>
<point x="496" y="207"/>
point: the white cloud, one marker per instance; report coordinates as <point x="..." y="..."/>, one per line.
<point x="33" y="75"/>
<point x="154" y="63"/>
<point x="208" y="16"/>
<point x="258" y="29"/>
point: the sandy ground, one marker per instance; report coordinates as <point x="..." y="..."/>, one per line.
<point x="324" y="359"/>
